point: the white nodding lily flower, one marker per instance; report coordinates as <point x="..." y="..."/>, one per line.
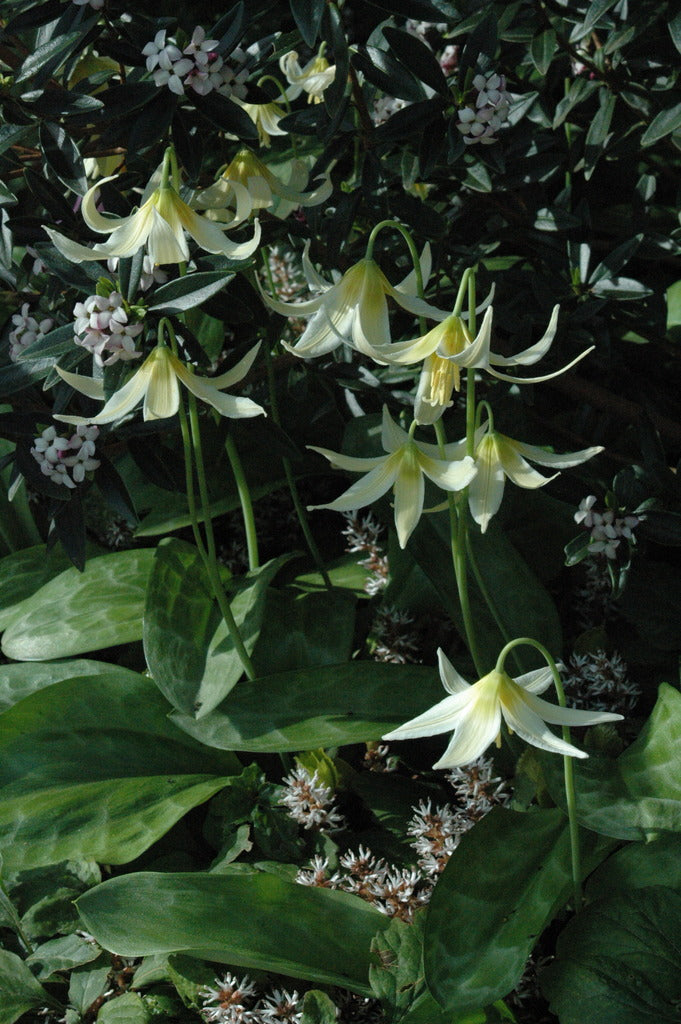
<point x="353" y="310"/>
<point x="160" y="223"/>
<point x="403" y="469"/>
<point x="314" y="78"/>
<point x="475" y="711"/>
<point x="451" y="341"/>
<point x="157" y="382"/>
<point x="497" y="457"/>
<point x="249" y="183"/>
<point x="265" y="117"/>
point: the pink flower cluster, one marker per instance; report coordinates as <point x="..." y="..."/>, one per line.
<point x="198" y="66"/>
<point x="101" y="326"/>
<point x="480" y="121"/>
<point x="66" y="460"/>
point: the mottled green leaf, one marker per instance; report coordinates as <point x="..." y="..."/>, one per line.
<point x="77" y="612"/>
<point x="20" y="990"/>
<point x="321" y="935"/>
<point x="618" y="961"/>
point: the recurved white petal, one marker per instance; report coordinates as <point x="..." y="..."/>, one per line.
<point x="238" y="371"/>
<point x="451" y="680"/>
<point x="91" y="215"/>
<point x="352" y="463"/>
<point x="576" y="717"/>
<point x="554" y="460"/>
<point x="535" y="352"/>
<point x="450" y="476"/>
<point x="162" y="398"/>
<point x="393" y="436"/>
<point x="536" y="681"/>
<point x="409" y="491"/>
<point x="517" y="469"/>
<point x="367" y="490"/>
<point x="93" y="387"/>
<point x="476" y="731"/>
<point x="440" y="718"/>
<point x="530" y="727"/>
<point x="487" y="487"/>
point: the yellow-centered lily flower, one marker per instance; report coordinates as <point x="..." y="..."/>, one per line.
<point x="403" y="469"/>
<point x="265" y="117"/>
<point x="475" y="712"/>
<point x="157" y="383"/>
<point x="250" y="185"/>
<point x="449" y="347"/>
<point x="498" y="457"/>
<point x="314" y="78"/>
<point x="354" y="310"/>
<point x="160" y="223"/>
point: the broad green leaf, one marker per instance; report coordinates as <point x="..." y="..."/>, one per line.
<point x="666" y="122"/>
<point x="637" y="865"/>
<point x="381" y="69"/>
<point x="19" y="989"/>
<point x="321" y="935"/>
<point x="637" y="795"/>
<point x="299" y="631"/>
<point x="618" y="961"/>
<point x="418" y="58"/>
<point x="318" y="1008"/>
<point x="82" y="611"/>
<point x="91" y="768"/>
<point x="522" y="603"/>
<point x="24" y="572"/>
<point x="61" y="954"/>
<point x="127" y="1008"/>
<point x="317" y="707"/>
<point x="502" y="885"/>
<point x="22" y="679"/>
<point x="87" y="984"/>
<point x="189" y="651"/>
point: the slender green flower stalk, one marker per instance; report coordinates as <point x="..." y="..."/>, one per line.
<point x="245" y="501"/>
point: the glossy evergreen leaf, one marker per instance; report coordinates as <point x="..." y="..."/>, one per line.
<point x="321" y="935"/>
<point x="77" y="612"/>
<point x="109" y="773"/>
<point x="324" y="706"/>
<point x="189" y="292"/>
<point x="56" y="49"/>
<point x="666" y="122"/>
<point x="187" y="645"/>
<point x="597" y="8"/>
<point x="418" y="58"/>
<point x="63" y="157"/>
<point x="226" y="115"/>
<point x="410" y="9"/>
<point x="542" y="50"/>
<point x="308" y="17"/>
<point x="597" y="136"/>
<point x="12" y="133"/>
<point x="381" y="69"/>
<point x="616" y="961"/>
<point x="674" y="27"/>
<point x="500" y="888"/>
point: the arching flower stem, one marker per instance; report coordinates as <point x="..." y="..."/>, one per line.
<point x="568" y="771"/>
<point x="193" y="456"/>
<point x="413" y="252"/>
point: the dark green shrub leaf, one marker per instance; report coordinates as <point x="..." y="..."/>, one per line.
<point x="418" y="58"/>
<point x="189" y="291"/>
<point x="308" y="17"/>
<point x="381" y="69"/>
<point x="666" y="122"/>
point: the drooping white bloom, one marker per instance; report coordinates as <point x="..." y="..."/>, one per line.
<point x="157" y="383"/>
<point x="354" y="310"/>
<point x="475" y="712"/>
<point x="403" y="469"/>
<point x="160" y="223"/>
<point x="265" y="117"/>
<point x="498" y="457"/>
<point x="248" y="184"/>
<point x="314" y="78"/>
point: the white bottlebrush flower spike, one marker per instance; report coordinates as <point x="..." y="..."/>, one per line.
<point x="314" y="78"/>
<point x="157" y="382"/>
<point x="160" y="223"/>
<point x="498" y="457"/>
<point x="475" y="712"/>
<point x="248" y="184"/>
<point x="403" y="469"/>
<point x="353" y="310"/>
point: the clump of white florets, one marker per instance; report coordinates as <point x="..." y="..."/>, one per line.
<point x="607" y="528"/>
<point x="26" y="330"/>
<point x="486" y="111"/>
<point x="235" y="1000"/>
<point x="309" y="801"/>
<point x="600" y="681"/>
<point x="199" y="66"/>
<point x="66" y="460"/>
<point x="102" y="326"/>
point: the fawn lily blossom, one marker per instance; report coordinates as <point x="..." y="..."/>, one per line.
<point x="156" y="381"/>
<point x="314" y="78"/>
<point x="353" y="310"/>
<point x="265" y="117"/>
<point x="159" y="223"/>
<point x="403" y="468"/>
<point x="450" y="340"/>
<point x="498" y="457"/>
<point x="475" y="711"/>
<point x="247" y="182"/>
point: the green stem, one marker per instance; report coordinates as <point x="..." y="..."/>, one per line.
<point x="286" y="462"/>
<point x="457" y="537"/>
<point x="568" y="772"/>
<point x="246" y="503"/>
<point x="210" y="560"/>
<point x="413" y="252"/>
